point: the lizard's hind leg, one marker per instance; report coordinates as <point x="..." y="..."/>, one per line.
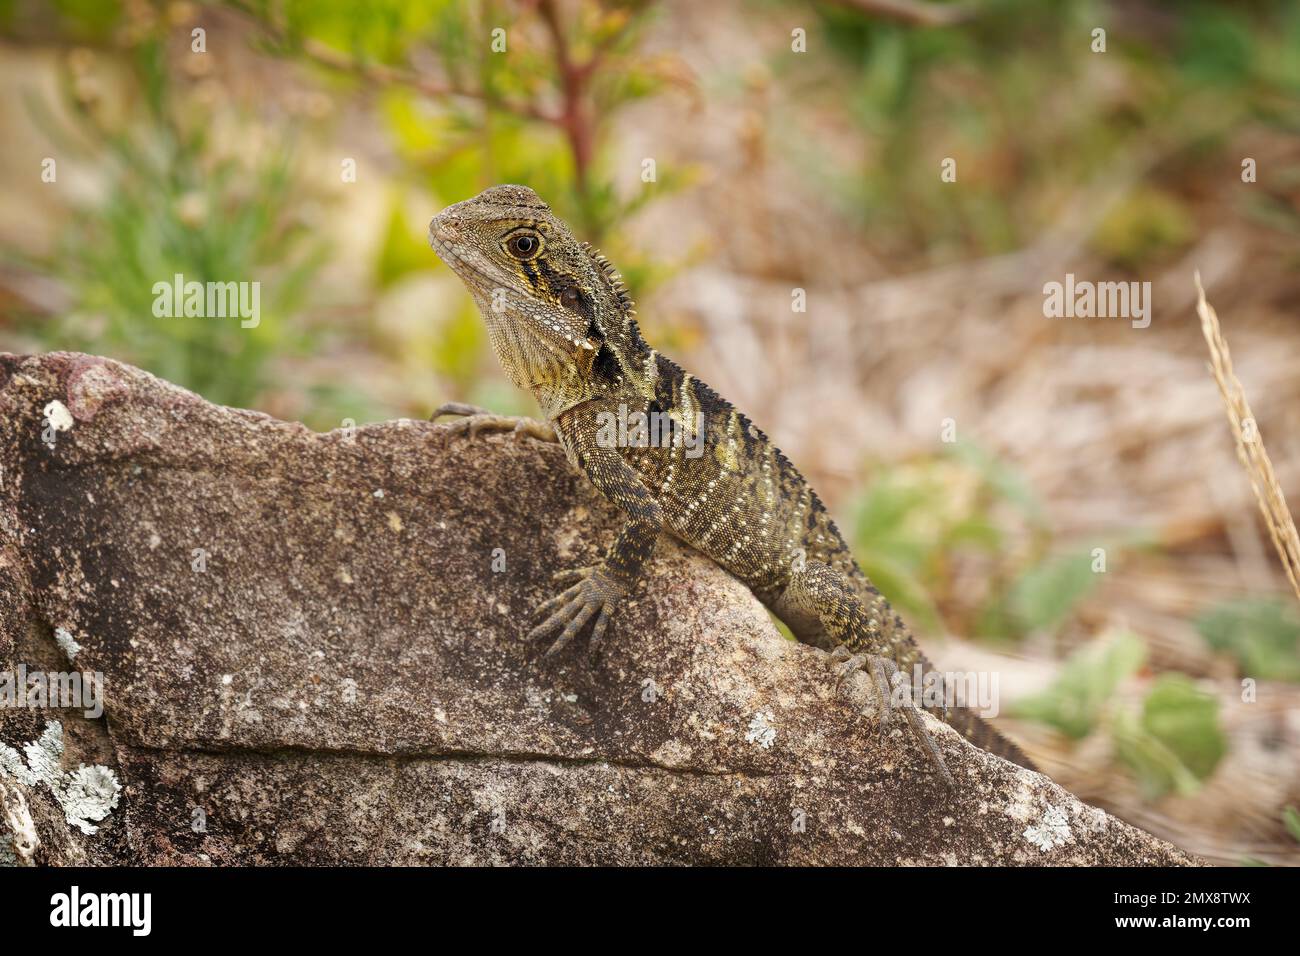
<point x="818" y="591"/>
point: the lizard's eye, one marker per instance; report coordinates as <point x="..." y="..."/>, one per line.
<point x="524" y="245"/>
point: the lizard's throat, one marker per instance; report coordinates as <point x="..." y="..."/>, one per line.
<point x="535" y="354"/>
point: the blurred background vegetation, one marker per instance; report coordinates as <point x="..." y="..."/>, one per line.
<point x="1088" y="534"/>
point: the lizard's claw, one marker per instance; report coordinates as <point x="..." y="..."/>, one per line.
<point x="572" y="575"/>
<point x="595" y="594"/>
<point x="475" y="420"/>
<point x="882" y="671"/>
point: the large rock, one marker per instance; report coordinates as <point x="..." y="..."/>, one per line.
<point x="309" y="657"/>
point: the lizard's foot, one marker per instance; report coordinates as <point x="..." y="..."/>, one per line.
<point x="475" y="420"/>
<point x="882" y="671"/>
<point x="594" y="593"/>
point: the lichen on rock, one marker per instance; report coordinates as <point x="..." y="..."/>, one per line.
<point x="87" y="794"/>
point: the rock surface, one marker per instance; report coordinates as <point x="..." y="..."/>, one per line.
<point x="311" y="654"/>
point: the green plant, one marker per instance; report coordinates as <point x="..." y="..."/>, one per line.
<point x="1046" y="593"/>
<point x="176" y="203"/>
<point x="909" y="521"/>
<point x="1079" y="697"/>
<point x="524" y="91"/>
<point x="1291" y="820"/>
<point x="1176" y="741"/>
<point x="1263" y="636"/>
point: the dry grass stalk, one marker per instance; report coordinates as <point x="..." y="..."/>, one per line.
<point x="1250" y="444"/>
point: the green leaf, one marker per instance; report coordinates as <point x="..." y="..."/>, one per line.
<point x="1078" y="697"/>
<point x="1046" y="594"/>
<point x="1177" y="742"/>
<point x="1157" y="768"/>
<point x="1262" y="635"/>
<point x="1291" y="819"/>
<point x="402" y="251"/>
<point x="1186" y="719"/>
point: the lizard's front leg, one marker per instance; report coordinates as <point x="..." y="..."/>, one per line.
<point x="597" y="590"/>
<point x="474" y="420"/>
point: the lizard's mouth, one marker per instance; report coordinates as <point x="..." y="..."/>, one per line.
<point x="470" y="272"/>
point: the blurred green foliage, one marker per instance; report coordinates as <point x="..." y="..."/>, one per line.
<point x="458" y="115"/>
<point x="894" y="548"/>
<point x="1176" y="741"/>
<point x="1171" y="743"/>
<point x="1078" y="698"/>
<point x="913" y="520"/>
<point x="910" y="521"/>
<point x="1181" y="77"/>
<point x="1291" y="820"/>
<point x="174" y="206"/>
<point x="1263" y="636"/>
<point x="1144" y="227"/>
<point x="493" y="121"/>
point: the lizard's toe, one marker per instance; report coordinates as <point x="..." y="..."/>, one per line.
<point x="845" y="663"/>
<point x="577" y="613"/>
<point x="542" y="431"/>
<point x="571" y="575"/>
<point x="845" y="667"/>
<point x="457" y="408"/>
<point x="549" y="606"/>
<point x="598" y="632"/>
<point x="884" y="670"/>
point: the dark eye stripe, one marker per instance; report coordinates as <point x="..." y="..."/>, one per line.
<point x="532" y="274"/>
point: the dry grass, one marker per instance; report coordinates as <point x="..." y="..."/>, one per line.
<point x="1250" y="444"/>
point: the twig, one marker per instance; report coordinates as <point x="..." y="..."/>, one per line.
<point x="1250" y="444"/>
<point x="573" y="118"/>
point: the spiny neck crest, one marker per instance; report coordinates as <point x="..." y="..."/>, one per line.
<point x="617" y="287"/>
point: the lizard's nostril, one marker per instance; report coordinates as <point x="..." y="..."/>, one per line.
<point x="442" y="229"/>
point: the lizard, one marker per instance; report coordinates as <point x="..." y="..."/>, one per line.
<point x="563" y="326"/>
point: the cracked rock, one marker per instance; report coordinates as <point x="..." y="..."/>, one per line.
<point x="298" y="669"/>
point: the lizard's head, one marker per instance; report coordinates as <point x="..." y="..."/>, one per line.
<point x="538" y="288"/>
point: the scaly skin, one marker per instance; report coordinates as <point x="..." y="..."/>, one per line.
<point x="564" y="328"/>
